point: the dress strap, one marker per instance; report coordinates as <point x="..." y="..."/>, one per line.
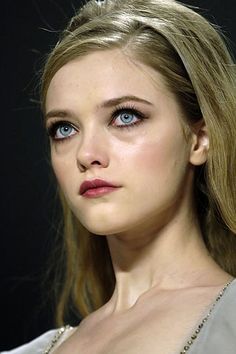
<point x="205" y="319"/>
<point x="56" y="338"/>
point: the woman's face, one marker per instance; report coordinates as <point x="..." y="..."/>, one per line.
<point x="113" y="119"/>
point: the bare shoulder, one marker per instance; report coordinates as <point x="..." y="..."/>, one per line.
<point x="80" y="334"/>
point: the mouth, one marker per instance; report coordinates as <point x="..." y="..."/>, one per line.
<point x="96" y="188"/>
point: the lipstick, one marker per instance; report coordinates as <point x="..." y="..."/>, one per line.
<point x="96" y="188"/>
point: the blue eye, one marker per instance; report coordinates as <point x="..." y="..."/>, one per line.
<point x="127" y="117"/>
<point x="61" y="130"/>
<point x="64" y="131"/>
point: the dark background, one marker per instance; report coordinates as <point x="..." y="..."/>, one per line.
<point x="29" y="213"/>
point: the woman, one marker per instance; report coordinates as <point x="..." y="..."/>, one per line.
<point x="138" y="97"/>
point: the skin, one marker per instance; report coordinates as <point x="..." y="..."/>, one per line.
<point x="160" y="261"/>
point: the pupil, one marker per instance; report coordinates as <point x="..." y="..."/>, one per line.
<point x="65" y="130"/>
<point x="126" y="117"/>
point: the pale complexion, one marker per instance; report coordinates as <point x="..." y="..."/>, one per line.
<point x="150" y="221"/>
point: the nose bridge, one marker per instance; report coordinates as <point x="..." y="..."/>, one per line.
<point x="92" y="146"/>
<point x="90" y="137"/>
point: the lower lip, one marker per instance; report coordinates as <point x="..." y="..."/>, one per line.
<point x="98" y="192"/>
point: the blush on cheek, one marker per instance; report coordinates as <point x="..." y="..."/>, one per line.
<point x="166" y="160"/>
<point x="152" y="156"/>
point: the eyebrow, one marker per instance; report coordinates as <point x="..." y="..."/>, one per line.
<point x="57" y="113"/>
<point x="115" y="101"/>
<point x="106" y="104"/>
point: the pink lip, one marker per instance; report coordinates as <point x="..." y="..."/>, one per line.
<point x="96" y="187"/>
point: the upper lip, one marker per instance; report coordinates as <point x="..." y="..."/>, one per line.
<point x="95" y="183"/>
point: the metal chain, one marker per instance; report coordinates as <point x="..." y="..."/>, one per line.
<point x="56" y="338"/>
<point x="204" y="320"/>
<point x="187" y="346"/>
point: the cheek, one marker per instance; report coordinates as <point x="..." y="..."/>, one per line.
<point x="64" y="170"/>
<point x="161" y="156"/>
<point x="59" y="167"/>
<point x="160" y="167"/>
<point x="151" y="156"/>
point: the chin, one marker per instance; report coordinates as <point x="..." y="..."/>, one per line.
<point x="100" y="227"/>
<point x="100" y="223"/>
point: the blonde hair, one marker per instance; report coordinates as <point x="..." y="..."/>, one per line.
<point x="197" y="67"/>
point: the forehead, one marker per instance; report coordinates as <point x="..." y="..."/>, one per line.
<point x="104" y="74"/>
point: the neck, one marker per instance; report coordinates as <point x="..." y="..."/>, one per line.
<point x="172" y="257"/>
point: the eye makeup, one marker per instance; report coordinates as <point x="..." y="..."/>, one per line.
<point x="55" y="130"/>
<point x="128" y="117"/>
<point x="127" y="112"/>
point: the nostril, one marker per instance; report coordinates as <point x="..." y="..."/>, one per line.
<point x="96" y="163"/>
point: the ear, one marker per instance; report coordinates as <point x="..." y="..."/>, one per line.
<point x="199" y="144"/>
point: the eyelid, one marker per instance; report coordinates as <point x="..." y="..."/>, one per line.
<point x="53" y="125"/>
<point x="130" y="109"/>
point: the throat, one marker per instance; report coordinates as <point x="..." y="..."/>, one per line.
<point x="166" y="264"/>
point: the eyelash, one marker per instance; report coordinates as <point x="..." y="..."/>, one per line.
<point x="130" y="110"/>
<point x="54" y="126"/>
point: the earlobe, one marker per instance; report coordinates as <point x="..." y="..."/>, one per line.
<point x="199" y="145"/>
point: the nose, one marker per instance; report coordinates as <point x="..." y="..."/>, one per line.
<point x="92" y="152"/>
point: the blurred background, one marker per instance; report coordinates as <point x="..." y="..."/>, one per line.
<point x="30" y="212"/>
